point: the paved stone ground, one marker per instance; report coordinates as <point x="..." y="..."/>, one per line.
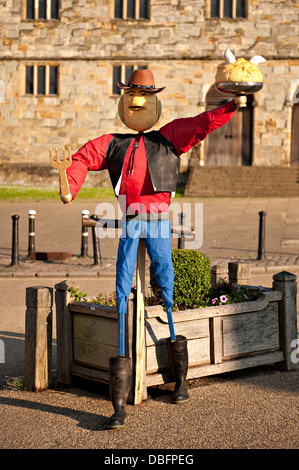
<point x="229" y="228"/>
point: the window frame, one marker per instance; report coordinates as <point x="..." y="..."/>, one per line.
<point x="221" y="9"/>
<point x="124" y="16"/>
<point x="124" y="70"/>
<point x="35" y="66"/>
<point x="36" y="11"/>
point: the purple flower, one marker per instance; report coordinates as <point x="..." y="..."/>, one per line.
<point x="223" y="299"/>
<point x="245" y="297"/>
<point x="213" y="301"/>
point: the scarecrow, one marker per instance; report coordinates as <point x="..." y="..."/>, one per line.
<point x="144" y="167"/>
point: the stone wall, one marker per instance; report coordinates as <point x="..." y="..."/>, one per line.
<point x="177" y="29"/>
<point x="179" y="43"/>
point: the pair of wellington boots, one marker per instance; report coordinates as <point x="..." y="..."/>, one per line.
<point x="120" y="379"/>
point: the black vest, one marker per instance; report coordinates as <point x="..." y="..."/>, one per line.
<point x="163" y="160"/>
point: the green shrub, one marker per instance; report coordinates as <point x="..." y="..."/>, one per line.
<point x="77" y="295"/>
<point x="192" y="280"/>
<point x="192" y="286"/>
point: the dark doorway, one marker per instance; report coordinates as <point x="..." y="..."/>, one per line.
<point x="231" y="144"/>
<point x="295" y="135"/>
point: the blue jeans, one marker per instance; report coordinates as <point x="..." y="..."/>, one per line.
<point x="157" y="239"/>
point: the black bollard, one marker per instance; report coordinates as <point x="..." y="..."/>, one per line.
<point x="15" y="240"/>
<point x="261" y="249"/>
<point x="97" y="259"/>
<point x="31" y="232"/>
<point x="84" y="237"/>
<point x="181" y="223"/>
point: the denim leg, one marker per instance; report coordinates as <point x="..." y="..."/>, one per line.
<point x="125" y="267"/>
<point x="158" y="245"/>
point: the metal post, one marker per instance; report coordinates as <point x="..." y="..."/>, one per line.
<point x="261" y="248"/>
<point x="181" y="223"/>
<point x="84" y="238"/>
<point x="96" y="247"/>
<point x="31" y="232"/>
<point x="15" y="240"/>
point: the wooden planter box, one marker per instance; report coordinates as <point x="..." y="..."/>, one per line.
<point x="220" y="339"/>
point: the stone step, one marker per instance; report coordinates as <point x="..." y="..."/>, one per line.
<point x="211" y="181"/>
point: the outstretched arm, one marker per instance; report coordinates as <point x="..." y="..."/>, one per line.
<point x="92" y="156"/>
<point x="185" y="133"/>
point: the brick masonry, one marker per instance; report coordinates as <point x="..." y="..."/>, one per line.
<point x="179" y="43"/>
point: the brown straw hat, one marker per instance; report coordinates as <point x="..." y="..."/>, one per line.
<point x="141" y="79"/>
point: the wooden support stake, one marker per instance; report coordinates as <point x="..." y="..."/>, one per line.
<point x="239" y="273"/>
<point x="64" y="332"/>
<point x="216" y="340"/>
<point x="38" y="338"/>
<point x="286" y="283"/>
<point x="140" y="334"/>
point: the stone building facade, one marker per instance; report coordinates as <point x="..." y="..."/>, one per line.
<point x="59" y="60"/>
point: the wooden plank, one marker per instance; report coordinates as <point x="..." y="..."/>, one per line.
<point x="64" y="333"/>
<point x="236" y="364"/>
<point x="90" y="374"/>
<point x="286" y="283"/>
<point x="213" y="369"/>
<point x="38" y="338"/>
<point x="89" y="308"/>
<point x="157" y="357"/>
<point x="222" y="310"/>
<point x="251" y="332"/>
<point x="140" y="335"/>
<point x="97" y="329"/>
<point x="93" y="354"/>
<point x="157" y="331"/>
<point x="154" y="311"/>
<point x="216" y="340"/>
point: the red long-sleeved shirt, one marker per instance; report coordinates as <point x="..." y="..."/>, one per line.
<point x="183" y="133"/>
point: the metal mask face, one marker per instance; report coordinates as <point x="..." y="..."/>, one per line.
<point x="139" y="110"/>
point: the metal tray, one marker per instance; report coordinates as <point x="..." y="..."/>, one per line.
<point x="239" y="88"/>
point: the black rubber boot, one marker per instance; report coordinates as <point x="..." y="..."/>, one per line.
<point x="119" y="385"/>
<point x="178" y="360"/>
